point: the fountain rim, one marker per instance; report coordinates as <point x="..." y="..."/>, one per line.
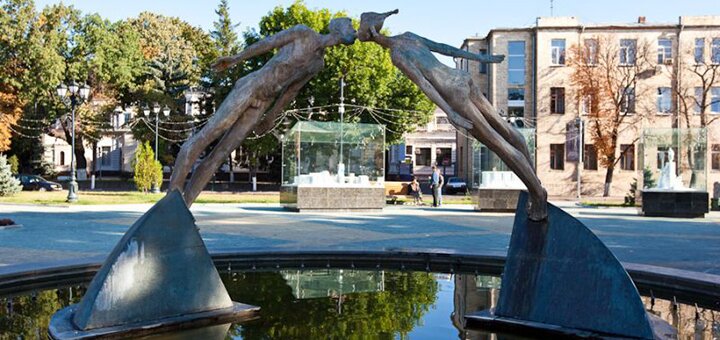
<point x="697" y="287"/>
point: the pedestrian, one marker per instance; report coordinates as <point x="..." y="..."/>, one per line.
<point x="417" y="194"/>
<point x="440" y="184"/>
<point x="435" y="185"/>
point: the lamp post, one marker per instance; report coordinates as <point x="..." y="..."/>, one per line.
<point x="73" y="95"/>
<point x="166" y="112"/>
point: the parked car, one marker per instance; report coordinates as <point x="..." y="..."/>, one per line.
<point x="455" y="185"/>
<point x="37" y="183"/>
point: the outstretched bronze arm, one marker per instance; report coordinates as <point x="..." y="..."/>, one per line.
<point x="263" y="46"/>
<point x="456" y="52"/>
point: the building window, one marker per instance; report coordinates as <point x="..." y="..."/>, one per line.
<point x="441" y="120"/>
<point x="105" y="156"/>
<point x="715" y="51"/>
<point x="591" y="51"/>
<point x="557" y="156"/>
<point x="444" y="157"/>
<point x="699" y="50"/>
<point x="627" y="156"/>
<point x="62" y="157"/>
<point x="715" y="156"/>
<point x="664" y="51"/>
<point x="516" y="62"/>
<point x="586" y="104"/>
<point x="558" y="51"/>
<point x="557" y="100"/>
<point x="422" y="157"/>
<point x="664" y="100"/>
<point x="408" y="149"/>
<point x="516" y="97"/>
<point x="483" y="66"/>
<point x="590" y="157"/>
<point x="715" y="100"/>
<point x="628" y="48"/>
<point x="627" y="102"/>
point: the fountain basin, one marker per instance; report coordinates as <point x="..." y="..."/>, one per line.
<point x="283" y="283"/>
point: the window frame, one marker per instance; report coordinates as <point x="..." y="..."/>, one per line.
<point x="591" y="51"/>
<point x="628" y="52"/>
<point x="664" y="96"/>
<point x="483" y="67"/>
<point x="628" y="101"/>
<point x="555" y="162"/>
<point x="523" y="56"/>
<point x="715" y="153"/>
<point x="557" y="53"/>
<point x="588" y="160"/>
<point x="664" y="52"/>
<point x="699" y="57"/>
<point x="715" y="51"/>
<point x="624" y="158"/>
<point x="557" y="100"/>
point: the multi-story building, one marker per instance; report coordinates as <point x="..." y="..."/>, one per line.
<point x="430" y="144"/>
<point x="533" y="88"/>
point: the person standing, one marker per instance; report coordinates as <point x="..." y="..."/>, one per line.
<point x="435" y="185"/>
<point x="440" y="184"/>
<point x="417" y="194"/>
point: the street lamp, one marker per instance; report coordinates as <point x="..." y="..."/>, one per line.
<point x="73" y="95"/>
<point x="166" y="112"/>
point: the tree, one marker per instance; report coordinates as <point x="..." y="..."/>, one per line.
<point x="148" y="171"/>
<point x="370" y="77"/>
<point x="9" y="185"/>
<point x="14" y="164"/>
<point x="226" y="42"/>
<point x="606" y="76"/>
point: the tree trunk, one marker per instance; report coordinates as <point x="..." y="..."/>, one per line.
<point x="608" y="180"/>
<point x="80" y="161"/>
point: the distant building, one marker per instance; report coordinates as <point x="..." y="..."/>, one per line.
<point x="430" y="144"/>
<point x="532" y="88"/>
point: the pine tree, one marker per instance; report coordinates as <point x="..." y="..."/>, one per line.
<point x="226" y="43"/>
<point x="148" y="171"/>
<point x="9" y="185"/>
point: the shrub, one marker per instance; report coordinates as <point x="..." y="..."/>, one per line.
<point x="148" y="171"/>
<point x="14" y="164"/>
<point x="9" y="185"/>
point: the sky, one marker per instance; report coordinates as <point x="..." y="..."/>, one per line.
<point x="443" y="21"/>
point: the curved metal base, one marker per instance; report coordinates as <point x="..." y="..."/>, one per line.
<point x="62" y="327"/>
<point x="487" y="320"/>
<point x="558" y="272"/>
<point x="159" y="273"/>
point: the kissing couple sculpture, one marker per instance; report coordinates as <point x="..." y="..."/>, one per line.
<point x="257" y="99"/>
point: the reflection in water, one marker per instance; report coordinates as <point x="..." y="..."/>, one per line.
<point x="334" y="303"/>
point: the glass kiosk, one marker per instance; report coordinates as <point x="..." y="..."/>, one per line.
<point x="331" y="166"/>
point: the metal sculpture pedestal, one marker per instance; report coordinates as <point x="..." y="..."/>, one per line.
<point x="159" y="277"/>
<point x="560" y="278"/>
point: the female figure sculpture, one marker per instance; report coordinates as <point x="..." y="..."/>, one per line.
<point x="257" y="99"/>
<point x="454" y="92"/>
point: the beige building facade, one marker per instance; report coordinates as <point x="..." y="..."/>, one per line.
<point x="532" y="87"/>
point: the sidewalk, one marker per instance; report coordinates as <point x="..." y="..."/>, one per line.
<point x="59" y="233"/>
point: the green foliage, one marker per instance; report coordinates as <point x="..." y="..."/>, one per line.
<point x="14" y="164"/>
<point x="370" y="77"/>
<point x="147" y="171"/>
<point x="406" y="297"/>
<point x="9" y="185"/>
<point x="648" y="182"/>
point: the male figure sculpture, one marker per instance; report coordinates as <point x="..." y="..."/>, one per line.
<point x="257" y="99"/>
<point x="454" y="92"/>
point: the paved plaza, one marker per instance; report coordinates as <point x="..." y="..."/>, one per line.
<point x="62" y="233"/>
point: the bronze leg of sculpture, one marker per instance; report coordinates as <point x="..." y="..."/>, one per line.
<point x="234" y="138"/>
<point x="501" y="126"/>
<point x="237" y="102"/>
